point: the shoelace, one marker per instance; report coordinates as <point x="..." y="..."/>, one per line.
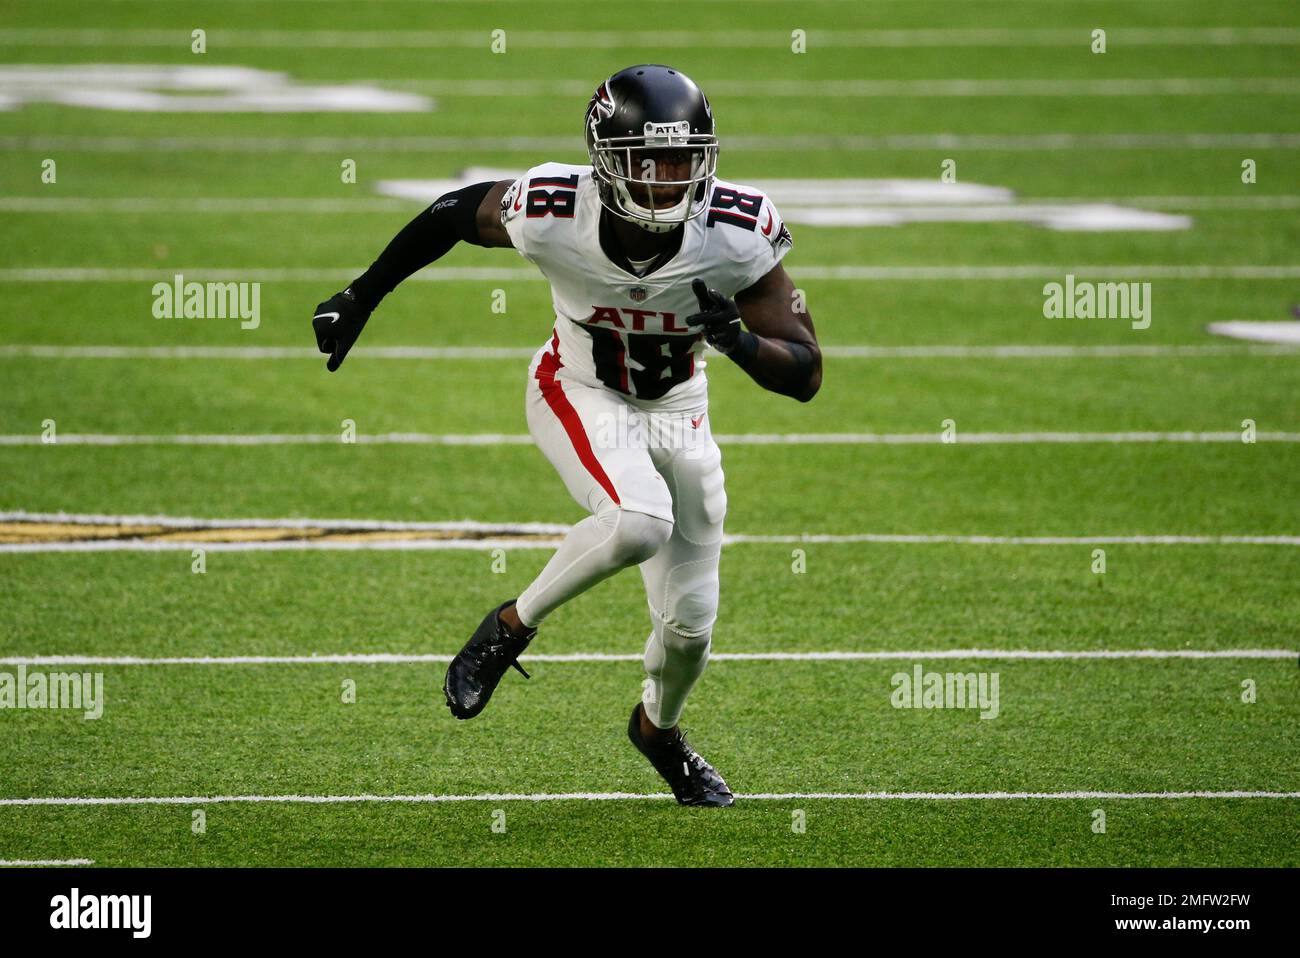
<point x="504" y="633"/>
<point x="498" y="651"/>
<point x="689" y="757"/>
<point x="697" y="761"/>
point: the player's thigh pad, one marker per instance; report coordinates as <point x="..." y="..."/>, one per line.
<point x="681" y="579"/>
<point x="696" y="482"/>
<point x="597" y="444"/>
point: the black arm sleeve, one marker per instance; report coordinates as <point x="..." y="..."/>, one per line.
<point x="451" y="218"/>
<point x="789" y="369"/>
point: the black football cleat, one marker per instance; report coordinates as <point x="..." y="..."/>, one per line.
<point x="693" y="780"/>
<point x="473" y="674"/>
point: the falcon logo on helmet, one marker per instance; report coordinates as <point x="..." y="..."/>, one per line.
<point x="645" y="122"/>
<point x="601" y="102"/>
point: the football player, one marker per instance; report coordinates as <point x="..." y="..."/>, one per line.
<point x="649" y="257"/>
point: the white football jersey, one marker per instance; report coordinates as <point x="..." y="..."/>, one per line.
<point x="627" y="332"/>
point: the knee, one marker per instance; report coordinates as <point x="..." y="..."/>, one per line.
<point x="688" y="623"/>
<point x="636" y="536"/>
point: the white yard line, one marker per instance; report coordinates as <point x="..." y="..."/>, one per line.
<point x="1016" y="87"/>
<point x="776" y="39"/>
<point x="43" y="862"/>
<point x="904" y="539"/>
<point x="1008" y="351"/>
<point x="724" y="439"/>
<point x="564" y="146"/>
<point x="1037" y="351"/>
<point x="990" y="438"/>
<point x="397" y="658"/>
<point x="130" y="274"/>
<point x="635" y="796"/>
<point x="1037" y="272"/>
<point x="357" y="525"/>
<point x="275" y="352"/>
<point x="291" y="206"/>
<point x="893" y="89"/>
<point x="551" y="542"/>
<point x="291" y="545"/>
<point x="272" y="439"/>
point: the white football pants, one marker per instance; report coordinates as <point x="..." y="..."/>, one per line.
<point x="654" y="486"/>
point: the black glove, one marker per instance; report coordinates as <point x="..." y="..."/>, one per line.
<point x="719" y="316"/>
<point x="338" y="322"/>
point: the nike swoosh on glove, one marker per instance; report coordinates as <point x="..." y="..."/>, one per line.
<point x="719" y="316"/>
<point x="337" y="323"/>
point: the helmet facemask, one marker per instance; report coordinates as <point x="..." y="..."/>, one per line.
<point x="658" y="180"/>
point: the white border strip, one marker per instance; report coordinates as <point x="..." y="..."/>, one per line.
<point x="394" y="658"/>
<point x="1009" y="351"/>
<point x="723" y="439"/>
<point x="634" y="796"/>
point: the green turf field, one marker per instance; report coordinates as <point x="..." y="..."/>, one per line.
<point x="853" y="560"/>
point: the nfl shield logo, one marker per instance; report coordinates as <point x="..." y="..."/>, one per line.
<point x="638" y="294"/>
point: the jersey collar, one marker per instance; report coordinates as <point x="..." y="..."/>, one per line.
<point x="609" y="244"/>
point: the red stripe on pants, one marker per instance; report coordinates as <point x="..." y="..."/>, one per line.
<point x="553" y="393"/>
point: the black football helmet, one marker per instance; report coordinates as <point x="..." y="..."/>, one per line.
<point x="637" y="119"/>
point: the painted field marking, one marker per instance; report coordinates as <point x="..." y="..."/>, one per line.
<point x="35" y="532"/>
<point x="565" y="145"/>
<point x="724" y="439"/>
<point x="290" y="206"/>
<point x="679" y="39"/>
<point x="873" y="203"/>
<point x="1285" y="332"/>
<point x="636" y="796"/>
<point x="185" y="88"/>
<point x="281" y="205"/>
<point x="991" y="87"/>
<point x="43" y="862"/>
<point x="129" y="274"/>
<point x="399" y="658"/>
<point x="936" y="351"/>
